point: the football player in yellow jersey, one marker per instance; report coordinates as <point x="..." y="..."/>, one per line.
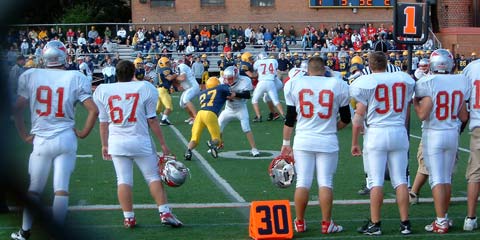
<point x="331" y="62"/>
<point x="212" y="100"/>
<point x="206" y="66"/>
<point x="343" y="65"/>
<point x="165" y="78"/>
<point x="398" y="60"/>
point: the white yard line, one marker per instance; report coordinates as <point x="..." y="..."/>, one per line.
<point x="459" y="148"/>
<point x="218" y="179"/>
<point x="234" y="205"/>
<point x="85" y="156"/>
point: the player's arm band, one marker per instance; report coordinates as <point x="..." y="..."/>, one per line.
<point x="345" y="115"/>
<point x="291" y="116"/>
<point x="244" y="94"/>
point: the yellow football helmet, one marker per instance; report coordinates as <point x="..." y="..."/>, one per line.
<point x="204" y="55"/>
<point x="137" y="62"/>
<point x="212" y="82"/>
<point x="163" y="61"/>
<point x="329" y="54"/>
<point x="356" y="60"/>
<point x="405" y="53"/>
<point x="392" y="54"/>
<point x="246" y="56"/>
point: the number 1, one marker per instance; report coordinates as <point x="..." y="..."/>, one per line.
<point x="409" y="27"/>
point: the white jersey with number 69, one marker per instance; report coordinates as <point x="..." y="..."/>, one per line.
<point x="317" y="101"/>
<point x="448" y="93"/>
<point x="52" y="94"/>
<point x="387" y="96"/>
<point x="472" y="71"/>
<point x="126" y="106"/>
<point x="266" y="68"/>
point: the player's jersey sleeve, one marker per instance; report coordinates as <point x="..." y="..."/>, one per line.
<point x="85" y="90"/>
<point x="287" y="91"/>
<point x="362" y="88"/>
<point x="98" y="99"/>
<point x="151" y="98"/>
<point x="255" y="65"/>
<point x="424" y="87"/>
<point x="344" y="95"/>
<point x="23" y="87"/>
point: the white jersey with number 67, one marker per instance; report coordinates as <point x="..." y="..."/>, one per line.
<point x="126" y="106"/>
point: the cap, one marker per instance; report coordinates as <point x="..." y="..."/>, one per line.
<point x="222" y="55"/>
<point x="149" y="64"/>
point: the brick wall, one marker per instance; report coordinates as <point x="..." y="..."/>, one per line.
<point x="455" y="13"/>
<point x="239" y="11"/>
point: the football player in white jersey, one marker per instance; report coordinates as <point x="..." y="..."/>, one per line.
<point x="190" y="87"/>
<point x="314" y="102"/>
<point x="127" y="109"/>
<point x="237" y="107"/>
<point x="266" y="69"/>
<point x="472" y="71"/>
<point x="382" y="103"/>
<point x="440" y="103"/>
<point x="52" y="94"/>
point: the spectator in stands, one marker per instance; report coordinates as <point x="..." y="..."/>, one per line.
<point x="141" y="36"/>
<point x="269" y="47"/>
<point x="213" y="44"/>
<point x="42" y="34"/>
<point x="81" y="41"/>
<point x="181" y="46"/>
<point x="108" y="45"/>
<point x="32" y="34"/>
<point x="107" y="33"/>
<point x="52" y="34"/>
<point x="233" y="34"/>
<point x="240" y="32"/>
<point x="92" y="34"/>
<point x="227" y="48"/>
<point x="38" y="51"/>
<point x="130" y="34"/>
<point x="190" y="48"/>
<point x="267" y="35"/>
<point x="182" y="32"/>
<point x="70" y="64"/>
<point x="204" y="34"/>
<point x="248" y="33"/>
<point x="292" y="36"/>
<point x="24" y="47"/>
<point x="122" y="35"/>
<point x="222" y="34"/>
<point x="70" y="35"/>
<point x="108" y="71"/>
<point x="260" y="38"/>
<point x="61" y="35"/>
<point x="306" y="41"/>
<point x="98" y="41"/>
<point x="239" y="45"/>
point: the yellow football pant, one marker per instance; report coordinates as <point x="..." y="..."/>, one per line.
<point x="207" y="119"/>
<point x="164" y="99"/>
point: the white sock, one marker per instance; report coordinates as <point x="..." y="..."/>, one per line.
<point x="60" y="208"/>
<point x="128" y="214"/>
<point x="164" y="208"/>
<point x="441" y="220"/>
<point x="27" y="219"/>
<point x="164" y="117"/>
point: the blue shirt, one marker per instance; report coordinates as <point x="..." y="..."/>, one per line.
<point x="162" y="81"/>
<point x="213" y="99"/>
<point x="244" y="67"/>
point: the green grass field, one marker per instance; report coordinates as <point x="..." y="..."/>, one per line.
<point x="211" y="210"/>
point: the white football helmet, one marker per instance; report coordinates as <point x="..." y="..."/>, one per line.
<point x="54" y="54"/>
<point x="262" y="55"/>
<point x="282" y="171"/>
<point x="230" y="75"/>
<point x="172" y="172"/>
<point x="441" y="61"/>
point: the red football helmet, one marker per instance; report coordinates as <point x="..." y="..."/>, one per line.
<point x="282" y="171"/>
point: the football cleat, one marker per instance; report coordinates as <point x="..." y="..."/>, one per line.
<point x="165" y="122"/>
<point x="170" y="219"/>
<point x="188" y="155"/>
<point x="364" y="191"/>
<point x="255" y="152"/>
<point x="405" y="227"/>
<point x="213" y="149"/>
<point x="129" y="222"/>
<point x="413" y="198"/>
<point x="257" y="119"/>
<point x="370" y="228"/>
<point x="282" y="171"/>
<point x="300" y="225"/>
<point x="435" y="227"/>
<point x="20" y="235"/>
<point x="330" y="227"/>
<point x="273" y="116"/>
<point x="470" y="224"/>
